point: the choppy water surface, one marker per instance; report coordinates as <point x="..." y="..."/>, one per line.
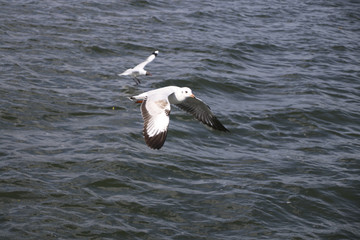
<point x="283" y="77"/>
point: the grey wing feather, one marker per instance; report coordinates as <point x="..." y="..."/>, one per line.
<point x="201" y="112"/>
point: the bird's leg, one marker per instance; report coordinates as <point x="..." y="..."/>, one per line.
<point x="137" y="81"/>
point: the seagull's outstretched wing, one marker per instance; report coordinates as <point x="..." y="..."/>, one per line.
<point x="127" y="72"/>
<point x="156" y="121"/>
<point x="148" y="60"/>
<point x="201" y="112"/>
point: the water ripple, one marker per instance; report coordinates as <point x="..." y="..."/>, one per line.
<point x="283" y="80"/>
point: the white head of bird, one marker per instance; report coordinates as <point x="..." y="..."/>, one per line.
<point x="182" y="93"/>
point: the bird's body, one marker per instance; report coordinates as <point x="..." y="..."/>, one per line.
<point x="139" y="70"/>
<point x="155" y="109"/>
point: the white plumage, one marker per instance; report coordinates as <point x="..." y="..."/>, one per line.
<point x="155" y="109"/>
<point x="139" y="70"/>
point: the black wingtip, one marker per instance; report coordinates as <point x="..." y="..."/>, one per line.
<point x="226" y="130"/>
<point x="217" y="125"/>
<point x="155" y="142"/>
<point x="222" y="128"/>
<point x="155" y="53"/>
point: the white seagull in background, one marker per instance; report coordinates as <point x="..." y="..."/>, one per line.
<point x="139" y="70"/>
<point x="155" y="110"/>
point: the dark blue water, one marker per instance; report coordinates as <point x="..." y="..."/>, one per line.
<point x="282" y="76"/>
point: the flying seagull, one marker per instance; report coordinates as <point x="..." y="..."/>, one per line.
<point x="155" y="110"/>
<point x="139" y="70"/>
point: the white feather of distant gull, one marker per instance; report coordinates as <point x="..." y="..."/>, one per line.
<point x="155" y="110"/>
<point x="139" y="70"/>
